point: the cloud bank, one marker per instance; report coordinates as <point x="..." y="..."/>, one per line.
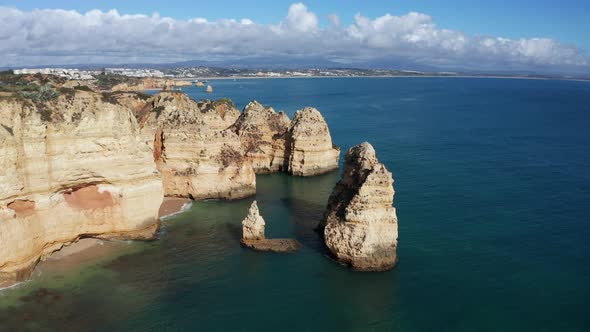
<point x="54" y="36"/>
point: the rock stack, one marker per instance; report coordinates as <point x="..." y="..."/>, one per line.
<point x="360" y="223"/>
<point x="262" y="132"/>
<point x="253" y="234"/>
<point x="253" y="225"/>
<point x="309" y="144"/>
<point x="301" y="147"/>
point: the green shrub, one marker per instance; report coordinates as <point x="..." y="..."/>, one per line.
<point x="224" y="100"/>
<point x="43" y="94"/>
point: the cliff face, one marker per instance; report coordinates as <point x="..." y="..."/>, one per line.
<point x="360" y="223"/>
<point x="72" y="167"/>
<point x="198" y="155"/>
<point x="262" y="132"/>
<point x="301" y="147"/>
<point x="309" y="143"/>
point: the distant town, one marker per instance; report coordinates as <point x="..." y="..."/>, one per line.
<point x="186" y="73"/>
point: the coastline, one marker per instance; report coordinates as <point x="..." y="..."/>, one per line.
<point x="172" y="206"/>
<point x="388" y="76"/>
<point x="88" y="249"/>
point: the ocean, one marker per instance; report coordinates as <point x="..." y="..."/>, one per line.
<point x="492" y="181"/>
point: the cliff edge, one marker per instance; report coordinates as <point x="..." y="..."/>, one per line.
<point x="72" y="166"/>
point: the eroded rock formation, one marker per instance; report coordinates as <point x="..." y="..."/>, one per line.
<point x="301" y="147"/>
<point x="360" y="222"/>
<point x="262" y="132"/>
<point x="198" y="155"/>
<point x="253" y="227"/>
<point x="253" y="224"/>
<point x="71" y="167"/>
<point x="309" y="143"/>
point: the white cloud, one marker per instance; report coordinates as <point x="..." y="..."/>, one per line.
<point x="61" y="37"/>
<point x="300" y="19"/>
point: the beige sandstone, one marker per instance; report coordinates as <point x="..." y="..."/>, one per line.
<point x="301" y="147"/>
<point x="199" y="157"/>
<point x="309" y="144"/>
<point x="253" y="235"/>
<point x="262" y="132"/>
<point x="253" y="225"/>
<point x="71" y="168"/>
<point x="360" y="223"/>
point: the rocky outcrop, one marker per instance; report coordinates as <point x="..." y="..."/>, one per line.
<point x="198" y="155"/>
<point x="253" y="234"/>
<point x="71" y="167"/>
<point x="262" y="132"/>
<point x="150" y="84"/>
<point x="253" y="224"/>
<point x="360" y="223"/>
<point x="309" y="144"/>
<point x="301" y="147"/>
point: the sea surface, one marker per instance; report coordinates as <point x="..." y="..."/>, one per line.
<point x="492" y="180"/>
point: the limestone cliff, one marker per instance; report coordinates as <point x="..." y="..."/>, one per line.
<point x="360" y="223"/>
<point x="262" y="132"/>
<point x="71" y="167"/>
<point x="301" y="147"/>
<point x="198" y="155"/>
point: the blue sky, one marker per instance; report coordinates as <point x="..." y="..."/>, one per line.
<point x="565" y="20"/>
<point x="562" y="26"/>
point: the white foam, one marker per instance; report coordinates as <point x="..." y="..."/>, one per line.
<point x="185" y="207"/>
<point x="16" y="285"/>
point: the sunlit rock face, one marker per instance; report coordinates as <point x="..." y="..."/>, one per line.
<point x="301" y="147"/>
<point x="360" y="222"/>
<point x="253" y="225"/>
<point x="262" y="132"/>
<point x="309" y="144"/>
<point x="71" y="167"/>
<point x="253" y="237"/>
<point x="193" y="147"/>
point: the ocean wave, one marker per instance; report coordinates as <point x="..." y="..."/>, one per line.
<point x="185" y="207"/>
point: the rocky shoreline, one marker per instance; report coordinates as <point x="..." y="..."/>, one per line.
<point x="82" y="164"/>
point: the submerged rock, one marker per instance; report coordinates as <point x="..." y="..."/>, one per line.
<point x="199" y="157"/>
<point x="253" y="234"/>
<point x="71" y="167"/>
<point x="360" y="223"/>
<point x="273" y="245"/>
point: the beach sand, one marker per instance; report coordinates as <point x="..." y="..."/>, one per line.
<point x="90" y="249"/>
<point x="172" y="205"/>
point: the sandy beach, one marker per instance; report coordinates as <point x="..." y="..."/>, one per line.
<point x="89" y="249"/>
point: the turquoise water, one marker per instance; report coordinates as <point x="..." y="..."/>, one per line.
<point x="492" y="191"/>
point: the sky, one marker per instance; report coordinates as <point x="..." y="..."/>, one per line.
<point x="498" y="35"/>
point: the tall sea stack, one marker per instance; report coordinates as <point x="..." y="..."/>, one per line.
<point x="360" y="222"/>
